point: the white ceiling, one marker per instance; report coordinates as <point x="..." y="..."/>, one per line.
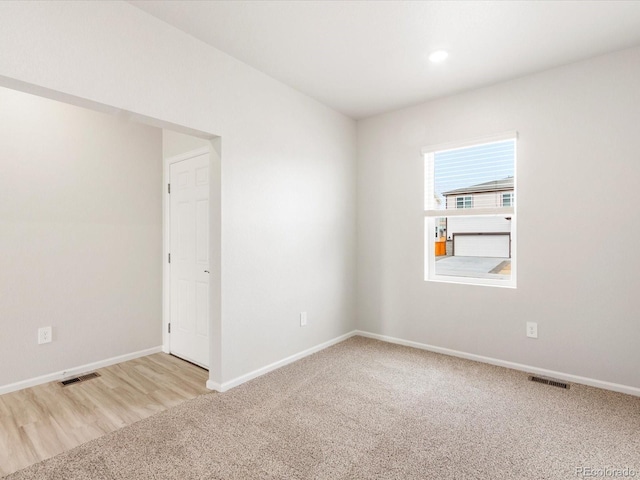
<point x="367" y="57"/>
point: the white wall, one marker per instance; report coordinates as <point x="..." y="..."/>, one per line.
<point x="577" y="165"/>
<point x="175" y="143"/>
<point x="288" y="162"/>
<point x="80" y="236"/>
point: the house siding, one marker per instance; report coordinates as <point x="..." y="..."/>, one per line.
<point x="480" y="200"/>
<point x="477" y="225"/>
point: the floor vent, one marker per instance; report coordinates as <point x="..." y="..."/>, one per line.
<point x="550" y="381"/>
<point x="81" y="378"/>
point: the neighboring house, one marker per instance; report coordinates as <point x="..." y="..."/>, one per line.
<point x="480" y="236"/>
<point x="496" y="193"/>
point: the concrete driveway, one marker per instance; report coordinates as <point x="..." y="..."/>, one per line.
<point x="477" y="267"/>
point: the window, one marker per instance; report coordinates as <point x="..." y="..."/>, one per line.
<point x="463" y="202"/>
<point x="470" y="193"/>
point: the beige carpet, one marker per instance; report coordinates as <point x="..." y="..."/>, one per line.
<point x="367" y="409"/>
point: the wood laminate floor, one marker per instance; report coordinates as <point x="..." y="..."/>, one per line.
<point x="40" y="422"/>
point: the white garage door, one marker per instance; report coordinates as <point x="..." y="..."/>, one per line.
<point x="481" y="245"/>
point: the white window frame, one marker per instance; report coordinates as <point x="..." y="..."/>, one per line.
<point x="464" y="201"/>
<point x="431" y="213"/>
<point x="504" y="194"/>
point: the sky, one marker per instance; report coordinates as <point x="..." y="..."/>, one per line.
<point x="468" y="166"/>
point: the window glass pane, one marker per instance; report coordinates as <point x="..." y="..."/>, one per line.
<point x="464" y="202"/>
<point x="474" y="177"/>
<point x="475" y="246"/>
<point x="471" y="245"/>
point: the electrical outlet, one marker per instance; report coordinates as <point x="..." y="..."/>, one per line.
<point x="44" y="335"/>
<point x="303" y="319"/>
<point x="532" y="330"/>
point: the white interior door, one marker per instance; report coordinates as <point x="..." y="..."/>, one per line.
<point x="189" y="250"/>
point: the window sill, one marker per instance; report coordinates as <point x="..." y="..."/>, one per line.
<point x="485" y="282"/>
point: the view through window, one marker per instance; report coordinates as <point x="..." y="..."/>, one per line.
<point x="470" y="195"/>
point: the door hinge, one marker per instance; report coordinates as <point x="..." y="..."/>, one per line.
<point x="169" y="258"/>
<point x="168" y="188"/>
<point x="169" y="328"/>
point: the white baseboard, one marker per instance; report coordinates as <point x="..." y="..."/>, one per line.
<point x="75" y="371"/>
<point x="211" y="385"/>
<point x="616" y="387"/>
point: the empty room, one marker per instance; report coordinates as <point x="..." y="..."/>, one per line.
<point x="319" y="239"/>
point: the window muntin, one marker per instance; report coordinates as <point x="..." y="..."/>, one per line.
<point x="470" y="198"/>
<point x="464" y="202"/>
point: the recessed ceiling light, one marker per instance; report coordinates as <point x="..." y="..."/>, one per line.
<point x="438" y="56"/>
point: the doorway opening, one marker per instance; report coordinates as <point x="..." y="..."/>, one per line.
<point x="87" y="206"/>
